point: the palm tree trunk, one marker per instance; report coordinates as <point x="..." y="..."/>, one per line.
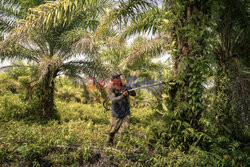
<point x="29" y="93"/>
<point x="189" y="62"/>
<point x="47" y="97"/>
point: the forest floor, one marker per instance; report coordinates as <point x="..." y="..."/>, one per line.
<point x="79" y="138"/>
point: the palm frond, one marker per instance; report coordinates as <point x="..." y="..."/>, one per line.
<point x="9" y="12"/>
<point x="125" y="11"/>
<point x="6" y="24"/>
<point x="61" y="20"/>
<point x="129" y="9"/>
<point x="151" y="48"/>
<point x="60" y="13"/>
<point x="16" y="51"/>
<point x="88" y="67"/>
<point x="145" y="22"/>
<point x="11" y="67"/>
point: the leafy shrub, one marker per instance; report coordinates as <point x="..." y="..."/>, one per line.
<point x="76" y="111"/>
<point x="11" y="107"/>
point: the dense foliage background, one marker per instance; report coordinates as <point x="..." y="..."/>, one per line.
<point x="49" y="117"/>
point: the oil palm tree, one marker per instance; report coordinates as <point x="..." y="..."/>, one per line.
<point x="55" y="33"/>
<point x="57" y="43"/>
<point x="230" y="47"/>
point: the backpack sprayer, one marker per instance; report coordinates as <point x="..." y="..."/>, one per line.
<point x="106" y="101"/>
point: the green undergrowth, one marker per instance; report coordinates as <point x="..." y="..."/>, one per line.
<point x="78" y="138"/>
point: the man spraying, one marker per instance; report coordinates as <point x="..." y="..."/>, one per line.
<point x="120" y="115"/>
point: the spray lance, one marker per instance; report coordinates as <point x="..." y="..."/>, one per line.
<point x="107" y="100"/>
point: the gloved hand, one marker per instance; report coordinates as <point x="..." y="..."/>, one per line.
<point x="125" y="93"/>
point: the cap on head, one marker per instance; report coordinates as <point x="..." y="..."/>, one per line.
<point x="115" y="75"/>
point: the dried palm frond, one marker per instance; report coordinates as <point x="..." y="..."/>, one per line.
<point x="84" y="44"/>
